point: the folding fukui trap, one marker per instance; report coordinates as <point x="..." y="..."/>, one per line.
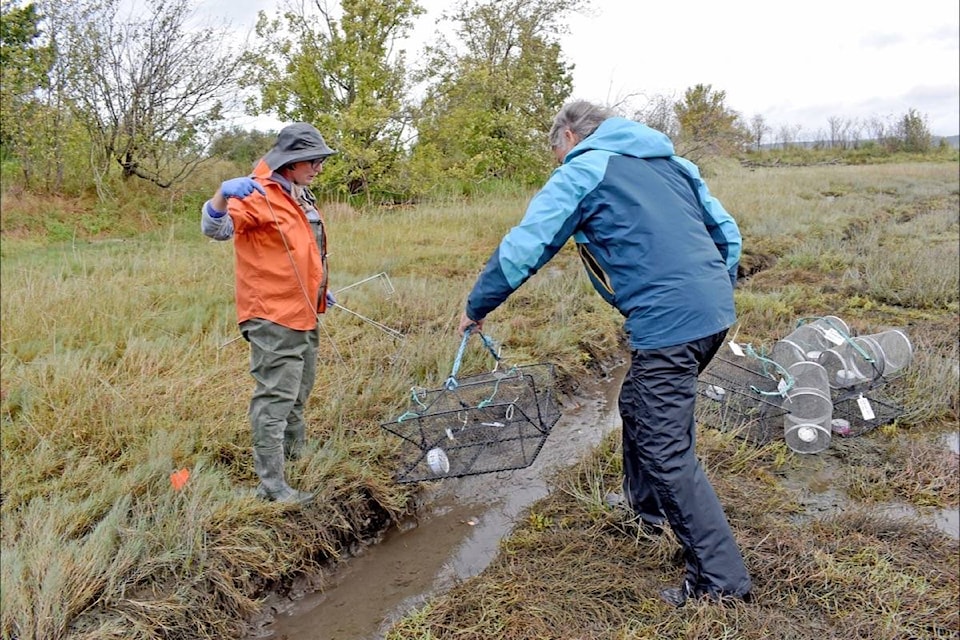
<point x="484" y="423"/>
<point x="741" y="396"/>
<point x="851" y="417"/>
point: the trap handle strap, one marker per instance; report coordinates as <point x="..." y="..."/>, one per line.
<point x="787" y="378"/>
<point x="487" y="342"/>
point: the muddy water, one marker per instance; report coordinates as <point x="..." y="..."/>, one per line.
<point x="817" y="490"/>
<point x="454" y="537"/>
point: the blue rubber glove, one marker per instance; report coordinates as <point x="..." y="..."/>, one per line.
<point x="240" y="187"/>
<point x="331" y="301"/>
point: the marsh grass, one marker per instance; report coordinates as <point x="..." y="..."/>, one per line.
<point x="121" y="364"/>
<point x="577" y="569"/>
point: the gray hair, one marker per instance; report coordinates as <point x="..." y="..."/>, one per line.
<point x="581" y="117"/>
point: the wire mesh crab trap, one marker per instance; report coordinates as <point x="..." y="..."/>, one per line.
<point x="741" y="397"/>
<point x="858" y="413"/>
<point x="484" y="423"/>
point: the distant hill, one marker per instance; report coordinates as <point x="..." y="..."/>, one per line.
<point x="953" y="141"/>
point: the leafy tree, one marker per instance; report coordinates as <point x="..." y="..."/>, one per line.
<point x="149" y="90"/>
<point x="24" y="63"/>
<point x="19" y="30"/>
<point x="346" y="77"/>
<point x="912" y="133"/>
<point x="242" y="146"/>
<point x="490" y="104"/>
<point x="908" y="133"/>
<point x="707" y="126"/>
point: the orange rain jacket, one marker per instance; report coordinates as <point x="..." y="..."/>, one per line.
<point x="279" y="273"/>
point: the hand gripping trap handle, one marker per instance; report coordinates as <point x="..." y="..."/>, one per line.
<point x="452" y="383"/>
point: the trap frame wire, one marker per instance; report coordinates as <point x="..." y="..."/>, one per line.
<point x="742" y="396"/>
<point x="863" y="409"/>
<point x="860" y="401"/>
<point x="485" y="423"/>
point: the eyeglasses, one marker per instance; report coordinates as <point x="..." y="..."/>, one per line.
<point x="316" y="164"/>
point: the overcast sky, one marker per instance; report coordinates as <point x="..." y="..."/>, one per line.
<point x="796" y="63"/>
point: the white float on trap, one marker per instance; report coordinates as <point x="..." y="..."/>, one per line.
<point x="437" y="460"/>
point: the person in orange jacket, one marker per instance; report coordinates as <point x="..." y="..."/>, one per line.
<point x="280" y="251"/>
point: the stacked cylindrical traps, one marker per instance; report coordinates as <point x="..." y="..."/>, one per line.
<point x="818" y="381"/>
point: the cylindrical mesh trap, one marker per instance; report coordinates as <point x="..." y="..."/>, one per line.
<point x="809" y="340"/>
<point x="806" y="426"/>
<point x="865" y="359"/>
<point x="744" y="394"/>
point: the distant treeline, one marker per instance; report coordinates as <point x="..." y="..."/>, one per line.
<point x="93" y="97"/>
<point x="936" y="141"/>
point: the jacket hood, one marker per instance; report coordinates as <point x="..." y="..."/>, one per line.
<point x="625" y="137"/>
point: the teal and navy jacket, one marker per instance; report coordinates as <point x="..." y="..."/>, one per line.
<point x="656" y="245"/>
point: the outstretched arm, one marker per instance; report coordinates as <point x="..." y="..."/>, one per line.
<point x="214" y="221"/>
<point x="550" y="219"/>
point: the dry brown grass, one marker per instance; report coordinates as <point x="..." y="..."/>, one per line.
<point x="573" y="569"/>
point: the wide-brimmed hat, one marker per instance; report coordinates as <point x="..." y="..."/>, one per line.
<point x="295" y="143"/>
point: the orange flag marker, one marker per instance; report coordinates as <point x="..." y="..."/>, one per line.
<point x="179" y="478"/>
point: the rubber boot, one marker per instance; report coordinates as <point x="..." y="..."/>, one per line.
<point x="679" y="596"/>
<point x="293" y="441"/>
<point x="273" y="487"/>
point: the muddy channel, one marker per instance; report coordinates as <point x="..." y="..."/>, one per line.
<point x="462" y="520"/>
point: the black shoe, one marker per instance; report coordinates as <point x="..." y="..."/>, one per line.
<point x="677" y="596"/>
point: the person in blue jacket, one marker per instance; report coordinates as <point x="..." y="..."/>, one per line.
<point x="664" y="252"/>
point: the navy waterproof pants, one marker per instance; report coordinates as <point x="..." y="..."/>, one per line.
<point x="663" y="478"/>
